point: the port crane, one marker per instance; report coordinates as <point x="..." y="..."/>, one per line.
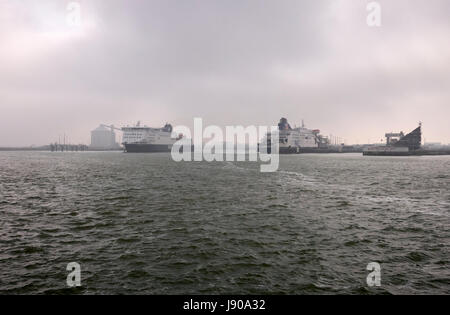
<point x="394" y="135"/>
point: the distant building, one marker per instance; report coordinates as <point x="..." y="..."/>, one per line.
<point x="103" y="138"/>
<point x="433" y="145"/>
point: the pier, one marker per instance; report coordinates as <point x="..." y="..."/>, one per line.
<point x="56" y="147"/>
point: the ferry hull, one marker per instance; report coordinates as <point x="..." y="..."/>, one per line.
<point x="299" y="150"/>
<point x="146" y="148"/>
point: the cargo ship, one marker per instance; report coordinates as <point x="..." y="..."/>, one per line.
<point x="147" y="139"/>
<point x="297" y="140"/>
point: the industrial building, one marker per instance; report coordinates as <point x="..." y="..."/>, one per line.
<point x="104" y="137"/>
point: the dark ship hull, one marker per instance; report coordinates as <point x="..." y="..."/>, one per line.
<point x="146" y="148"/>
<point x="299" y="150"/>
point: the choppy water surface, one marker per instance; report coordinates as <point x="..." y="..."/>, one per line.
<point x="143" y="224"/>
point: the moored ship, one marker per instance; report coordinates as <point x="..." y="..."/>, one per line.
<point x="147" y="139"/>
<point x="297" y="140"/>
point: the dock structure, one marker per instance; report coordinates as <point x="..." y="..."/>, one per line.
<point x="56" y="147"/>
<point x="399" y="144"/>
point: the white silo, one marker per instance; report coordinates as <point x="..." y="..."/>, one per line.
<point x="103" y="138"/>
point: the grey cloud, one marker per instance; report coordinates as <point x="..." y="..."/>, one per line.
<point x="231" y="62"/>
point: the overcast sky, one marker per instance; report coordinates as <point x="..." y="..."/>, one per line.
<point x="231" y="62"/>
